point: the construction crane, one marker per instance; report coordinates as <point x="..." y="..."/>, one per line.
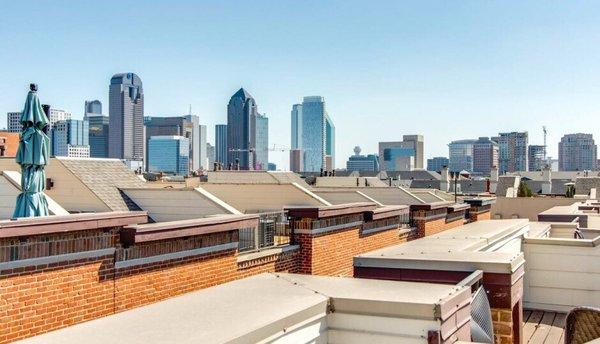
<point x="273" y="148"/>
<point x="545" y="132"/>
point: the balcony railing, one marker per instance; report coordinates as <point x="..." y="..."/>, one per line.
<point x="47" y="246"/>
<point x="273" y="230"/>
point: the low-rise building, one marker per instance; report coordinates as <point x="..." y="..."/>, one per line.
<point x="9" y="144"/>
<point x="437" y="163"/>
<point x="358" y="162"/>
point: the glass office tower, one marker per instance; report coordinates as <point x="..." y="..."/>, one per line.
<point x="168" y="154"/>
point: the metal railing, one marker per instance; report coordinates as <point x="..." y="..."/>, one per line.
<point x="402" y="221"/>
<point x="334" y="222"/>
<point x="273" y="230"/>
<point x="171" y="246"/>
<point x="458" y="215"/>
<point x="37" y="247"/>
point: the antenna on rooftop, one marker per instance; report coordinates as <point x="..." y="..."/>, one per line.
<point x="190" y="112"/>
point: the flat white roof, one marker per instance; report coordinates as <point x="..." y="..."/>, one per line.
<point x="255" y="308"/>
<point x="461" y="248"/>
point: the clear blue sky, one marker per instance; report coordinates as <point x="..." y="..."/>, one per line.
<point x="448" y="69"/>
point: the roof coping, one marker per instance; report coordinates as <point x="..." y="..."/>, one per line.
<point x="69" y="223"/>
<point x="331" y="210"/>
<point x="184" y="228"/>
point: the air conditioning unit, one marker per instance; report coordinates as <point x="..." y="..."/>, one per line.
<point x="482" y="330"/>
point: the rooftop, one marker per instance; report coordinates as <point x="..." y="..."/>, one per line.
<point x="268" y="306"/>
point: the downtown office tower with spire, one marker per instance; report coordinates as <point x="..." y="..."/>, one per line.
<point x="247" y="133"/>
<point x="126" y="117"/>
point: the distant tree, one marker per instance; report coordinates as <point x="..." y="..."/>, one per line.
<point x="570" y="191"/>
<point x="524" y="190"/>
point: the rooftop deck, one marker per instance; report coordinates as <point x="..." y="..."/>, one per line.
<point x="543" y="327"/>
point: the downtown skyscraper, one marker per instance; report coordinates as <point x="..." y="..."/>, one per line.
<point x="126" y="117"/>
<point x="241" y="129"/>
<point x="512" y="149"/>
<point x="262" y="142"/>
<point x="221" y="144"/>
<point x="313" y="132"/>
<point x="577" y="152"/>
<point x="98" y="128"/>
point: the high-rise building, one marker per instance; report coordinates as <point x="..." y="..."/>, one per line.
<point x="485" y="155"/>
<point x="241" y="124"/>
<point x="203" y="154"/>
<point x="296" y="157"/>
<point x="401" y="155"/>
<point x="186" y="126"/>
<point x="317" y="135"/>
<point x="57" y="115"/>
<point x="126" y="117"/>
<point x="71" y="138"/>
<point x="296" y="126"/>
<point x="330" y="142"/>
<point x="221" y="144"/>
<point x="98" y="134"/>
<point x="577" y="152"/>
<point x="436" y="163"/>
<point x="360" y="163"/>
<point x="461" y="155"/>
<point x="512" y="151"/>
<point x="535" y="157"/>
<point x="210" y="153"/>
<point x="262" y="142"/>
<point x="92" y="106"/>
<point x="13" y="122"/>
<point x="169" y="154"/>
<point x="195" y="162"/>
<point x="417" y="143"/>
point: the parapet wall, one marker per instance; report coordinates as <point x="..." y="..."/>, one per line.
<point x="63" y="270"/>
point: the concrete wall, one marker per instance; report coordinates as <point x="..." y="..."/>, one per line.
<point x="525" y="207"/>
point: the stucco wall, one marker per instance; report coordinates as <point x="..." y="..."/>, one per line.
<point x="525" y="207"/>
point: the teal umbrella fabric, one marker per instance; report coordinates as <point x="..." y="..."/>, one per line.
<point x="33" y="155"/>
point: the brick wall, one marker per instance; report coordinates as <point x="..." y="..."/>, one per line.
<point x="38" y="299"/>
<point x="503" y="325"/>
<point x="331" y="253"/>
<point x="481" y="216"/>
<point x="430" y="222"/>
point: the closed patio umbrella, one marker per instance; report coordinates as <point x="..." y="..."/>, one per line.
<point x="33" y="155"/>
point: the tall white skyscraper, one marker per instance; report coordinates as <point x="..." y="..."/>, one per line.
<point x="296" y="126"/>
<point x="262" y="142"/>
<point x="202" y="151"/>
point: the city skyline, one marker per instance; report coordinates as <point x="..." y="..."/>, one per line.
<point x="490" y="80"/>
